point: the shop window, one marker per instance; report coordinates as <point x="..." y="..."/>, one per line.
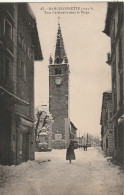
<point x="8" y="29"/>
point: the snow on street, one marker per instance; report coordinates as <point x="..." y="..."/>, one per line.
<point x="50" y="174"/>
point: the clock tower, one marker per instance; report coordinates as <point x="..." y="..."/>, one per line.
<point x="59" y="94"/>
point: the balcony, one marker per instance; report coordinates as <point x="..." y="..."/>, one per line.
<point x="108" y="58"/>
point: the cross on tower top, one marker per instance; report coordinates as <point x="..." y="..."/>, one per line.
<point x="59" y="20"/>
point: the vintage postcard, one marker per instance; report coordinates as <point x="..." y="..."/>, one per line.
<point x="61" y="98"/>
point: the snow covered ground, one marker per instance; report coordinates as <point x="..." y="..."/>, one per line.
<point x="50" y="174"/>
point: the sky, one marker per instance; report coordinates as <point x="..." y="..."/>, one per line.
<point x="86" y="47"/>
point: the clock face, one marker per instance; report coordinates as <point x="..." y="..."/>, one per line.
<point x="58" y="80"/>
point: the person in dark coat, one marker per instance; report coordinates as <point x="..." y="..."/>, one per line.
<point x="70" y="155"/>
<point x="85" y="147"/>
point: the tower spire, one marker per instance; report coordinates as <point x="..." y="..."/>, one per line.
<point x="60" y="54"/>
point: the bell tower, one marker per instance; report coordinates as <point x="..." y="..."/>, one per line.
<point x="59" y="93"/>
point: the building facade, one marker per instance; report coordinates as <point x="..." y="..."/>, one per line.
<point x="114" y="28"/>
<point x="19" y="47"/>
<point x="59" y="94"/>
<point x="107" y="133"/>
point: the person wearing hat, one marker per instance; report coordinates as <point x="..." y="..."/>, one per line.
<point x="70" y="155"/>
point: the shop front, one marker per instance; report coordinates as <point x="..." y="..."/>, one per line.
<point x="24" y="133"/>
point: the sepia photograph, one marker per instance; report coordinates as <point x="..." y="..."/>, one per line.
<point x="62" y="98"/>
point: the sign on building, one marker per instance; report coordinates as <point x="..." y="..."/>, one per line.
<point x="58" y="137"/>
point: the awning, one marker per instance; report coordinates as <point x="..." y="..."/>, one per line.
<point x="14" y="97"/>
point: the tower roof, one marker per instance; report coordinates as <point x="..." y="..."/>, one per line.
<point x="60" y="54"/>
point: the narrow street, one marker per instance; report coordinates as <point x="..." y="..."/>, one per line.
<point x="50" y="174"/>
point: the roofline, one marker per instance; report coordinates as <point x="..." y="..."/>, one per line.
<point x="34" y="31"/>
<point x="30" y="11"/>
<point x="110" y="10"/>
<point x="107" y="92"/>
<point x="40" y="57"/>
<point x="73" y="125"/>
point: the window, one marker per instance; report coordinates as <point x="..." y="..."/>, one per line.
<point x="25" y="47"/>
<point x="19" y="39"/>
<point x="110" y="114"/>
<point x="10" y="9"/>
<point x="8" y="30"/>
<point x="19" y="67"/>
<point x="57" y="60"/>
<point x="6" y="68"/>
<point x="22" y="70"/>
<point x="24" y="75"/>
<point x="120" y="13"/>
<point x="120" y="63"/>
<point x="113" y="33"/>
<point x="20" y="142"/>
<point x="106" y="143"/>
<point x="22" y="42"/>
<point x="1" y="26"/>
<point x="29" y="53"/>
<point x="57" y="71"/>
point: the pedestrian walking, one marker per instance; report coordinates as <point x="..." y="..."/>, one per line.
<point x="70" y="155"/>
<point x="85" y="147"/>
